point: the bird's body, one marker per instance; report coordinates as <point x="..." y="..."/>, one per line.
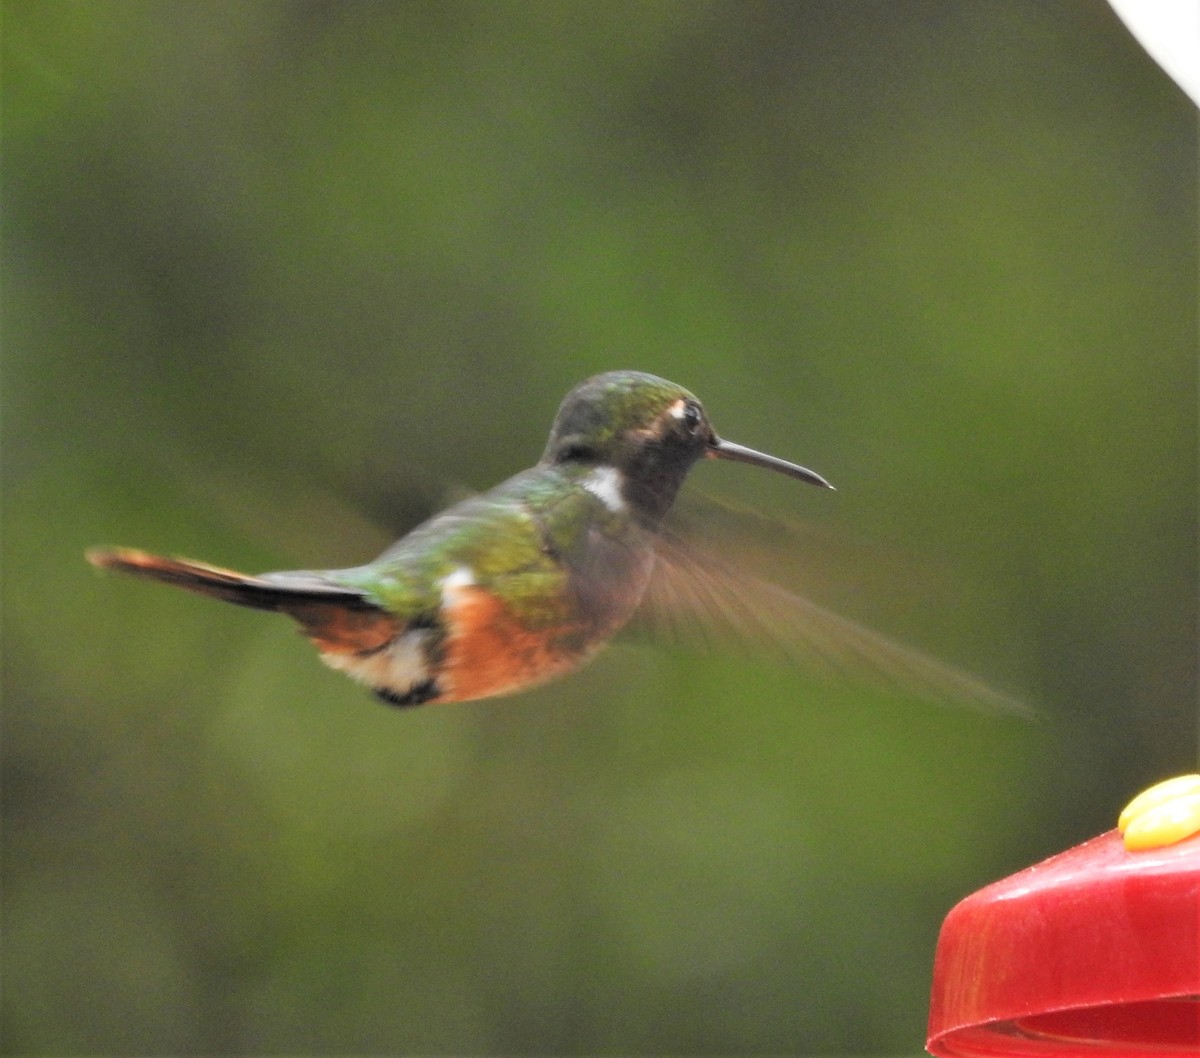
<point x="526" y="582"/>
<point x="504" y="590"/>
<point x="513" y="587"/>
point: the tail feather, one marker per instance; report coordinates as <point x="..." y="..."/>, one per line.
<point x="338" y="619"/>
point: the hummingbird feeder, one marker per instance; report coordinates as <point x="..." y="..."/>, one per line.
<point x="1095" y="951"/>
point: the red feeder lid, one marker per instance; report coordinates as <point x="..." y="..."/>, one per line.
<point x="1095" y="951"/>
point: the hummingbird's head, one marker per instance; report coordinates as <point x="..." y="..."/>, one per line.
<point x="651" y="432"/>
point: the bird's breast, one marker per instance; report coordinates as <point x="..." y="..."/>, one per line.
<point x="504" y="592"/>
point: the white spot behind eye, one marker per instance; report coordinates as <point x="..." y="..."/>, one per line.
<point x="678" y="409"/>
<point x="605" y="484"/>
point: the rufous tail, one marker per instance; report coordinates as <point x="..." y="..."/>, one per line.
<point x="336" y="618"/>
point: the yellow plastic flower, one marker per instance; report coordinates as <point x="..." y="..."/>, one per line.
<point x="1166" y="813"/>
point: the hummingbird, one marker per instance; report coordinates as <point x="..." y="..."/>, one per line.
<point x="527" y="582"/>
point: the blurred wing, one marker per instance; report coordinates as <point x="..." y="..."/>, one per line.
<point x="697" y="597"/>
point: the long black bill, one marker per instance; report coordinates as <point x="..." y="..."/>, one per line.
<point x="720" y="449"/>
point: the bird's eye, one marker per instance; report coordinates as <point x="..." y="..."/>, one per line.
<point x="692" y="415"/>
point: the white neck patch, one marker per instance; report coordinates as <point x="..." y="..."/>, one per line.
<point x="605" y="484"/>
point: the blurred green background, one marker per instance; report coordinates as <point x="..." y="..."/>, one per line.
<point x="279" y="274"/>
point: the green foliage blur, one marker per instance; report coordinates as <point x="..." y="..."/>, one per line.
<point x="281" y="276"/>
